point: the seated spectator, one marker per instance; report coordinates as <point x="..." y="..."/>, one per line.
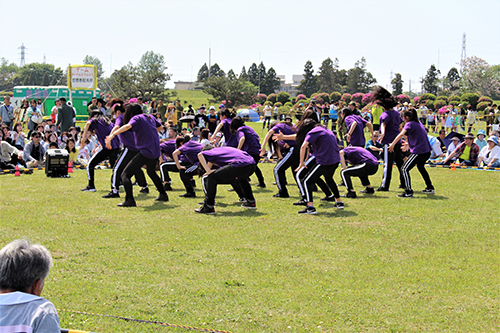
<point x="34" y="152"/>
<point x="205" y="133"/>
<point x="436" y="151"/>
<point x="375" y="147"/>
<point x="7" y="135"/>
<point x="480" y="139"/>
<point x="490" y="154"/>
<point x="455" y="141"/>
<point x="195" y="135"/>
<point x="73" y="151"/>
<point x="17" y="136"/>
<point x="23" y="270"/>
<point x="442" y="135"/>
<point x="466" y="153"/>
<point x="9" y="155"/>
<point x="84" y="154"/>
<point x="52" y="138"/>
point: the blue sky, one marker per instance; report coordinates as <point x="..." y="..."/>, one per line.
<point x="400" y="36"/>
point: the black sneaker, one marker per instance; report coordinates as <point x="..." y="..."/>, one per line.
<point x="368" y="190"/>
<point x="382" y="189"/>
<point x="406" y="194"/>
<point x="350" y="194"/>
<point x="301" y="202"/>
<point x="162" y="197"/>
<point x="401" y="186"/>
<point x="341" y="184"/>
<point x="230" y="189"/>
<point x="281" y="195"/>
<point x="263" y="185"/>
<point x="203" y="202"/>
<point x="242" y="200"/>
<point x="205" y="210"/>
<point x="167" y="187"/>
<point x="88" y="189"/>
<point x="332" y="198"/>
<point x="339" y="205"/>
<point x="249" y="205"/>
<point x="111" y="195"/>
<point x="308" y="210"/>
<point x="188" y="195"/>
<point x="128" y="203"/>
<point x="429" y="191"/>
<point x="144" y="190"/>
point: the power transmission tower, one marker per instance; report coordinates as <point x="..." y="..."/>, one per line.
<point x="23" y="55"/>
<point x="464" y="53"/>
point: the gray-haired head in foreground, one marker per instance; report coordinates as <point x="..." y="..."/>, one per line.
<point x="22" y="264"/>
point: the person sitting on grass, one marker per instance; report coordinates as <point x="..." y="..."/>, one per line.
<point x="466" y="152"/>
<point x="9" y="155"/>
<point x="490" y="155"/>
<point x="34" y="152"/>
<point x="23" y="270"/>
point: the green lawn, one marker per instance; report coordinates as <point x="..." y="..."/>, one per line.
<point x="383" y="264"/>
<point x="193" y="97"/>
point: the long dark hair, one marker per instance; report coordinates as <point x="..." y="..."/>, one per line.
<point x="228" y="114"/>
<point x="132" y="110"/>
<point x="411" y="114"/>
<point x="74" y="146"/>
<point x="383" y="98"/>
<point x="97" y="115"/>
<point x="305" y="126"/>
<point x="236" y="123"/>
<point x="346" y="111"/>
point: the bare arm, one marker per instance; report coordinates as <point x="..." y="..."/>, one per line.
<point x="85" y="133"/>
<point x="241" y="142"/>
<point x="269" y="134"/>
<point x="110" y="137"/>
<point x="396" y="140"/>
<point x="175" y="156"/>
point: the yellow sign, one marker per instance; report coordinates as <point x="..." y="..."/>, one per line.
<point x="82" y="77"/>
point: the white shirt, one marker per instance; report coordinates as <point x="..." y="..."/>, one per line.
<point x="494" y="153"/>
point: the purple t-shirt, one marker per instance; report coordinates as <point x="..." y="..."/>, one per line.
<point x="168" y="147"/>
<point x="146" y="136"/>
<point x="228" y="156"/>
<point x="358" y="135"/>
<point x="324" y="145"/>
<point x="391" y="119"/>
<point x="417" y="137"/>
<point x="286" y="130"/>
<point x="252" y="140"/>
<point x="102" y="130"/>
<point x="127" y="138"/>
<point x="191" y="149"/>
<point x="358" y="155"/>
<point x="229" y="137"/>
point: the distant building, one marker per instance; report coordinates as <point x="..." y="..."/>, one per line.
<point x="182" y="85"/>
<point x="290" y="88"/>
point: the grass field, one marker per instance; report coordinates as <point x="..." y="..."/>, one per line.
<point x="383" y="264"/>
<point x="193" y="97"/>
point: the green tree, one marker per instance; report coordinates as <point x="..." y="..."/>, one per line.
<point x="431" y="80"/>
<point x="243" y="73"/>
<point x="231" y="74"/>
<point x="152" y="76"/>
<point x="397" y="84"/>
<point x="33" y="75"/>
<point x="359" y="79"/>
<point x="7" y="74"/>
<point x="270" y="83"/>
<point x="326" y="76"/>
<point x="124" y="82"/>
<point x="478" y="76"/>
<point x="283" y="97"/>
<point x="202" y="73"/>
<point x="90" y="60"/>
<point x="308" y="85"/>
<point x="215" y="71"/>
<point x="452" y="80"/>
<point x="253" y="75"/>
<point x="235" y="91"/>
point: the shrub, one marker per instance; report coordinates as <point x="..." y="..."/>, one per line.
<point x="454" y="99"/>
<point x="403" y="98"/>
<point x="303" y="101"/>
<point x="444" y="93"/>
<point x="470" y="98"/>
<point x="260" y="98"/>
<point x="278" y="104"/>
<point x="438" y="104"/>
<point x="442" y="98"/>
<point x="283" y="97"/>
<point x="485" y="99"/>
<point x="430" y="104"/>
<point x="294" y="99"/>
<point x="481" y="106"/>
<point x="288" y="104"/>
<point x="357" y="97"/>
<point x="427" y="97"/>
<point x="366" y="99"/>
<point x="272" y="98"/>
<point x="325" y="97"/>
<point x="300" y="97"/>
<point x="335" y="97"/>
<point x="346" y="97"/>
<point x="416" y="99"/>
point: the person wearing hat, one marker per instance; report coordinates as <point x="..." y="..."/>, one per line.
<point x="170" y="114"/>
<point x="480" y="139"/>
<point x="213" y="120"/>
<point x="490" y="154"/>
<point x="466" y="152"/>
<point x="201" y="118"/>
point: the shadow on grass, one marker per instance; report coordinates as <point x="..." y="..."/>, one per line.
<point x="433" y="197"/>
<point x="337" y="213"/>
<point x="243" y="212"/>
<point x="159" y="206"/>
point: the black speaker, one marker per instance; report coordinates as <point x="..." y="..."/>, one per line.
<point x="56" y="163"/>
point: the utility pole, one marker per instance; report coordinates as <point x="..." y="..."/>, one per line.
<point x="464" y="53"/>
<point x="23" y="55"/>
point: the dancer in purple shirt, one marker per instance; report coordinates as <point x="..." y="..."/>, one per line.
<point x="129" y="151"/>
<point x="102" y="127"/>
<point x="233" y="166"/>
<point x="355" y="128"/>
<point x="225" y="126"/>
<point x="189" y="149"/>
<point x="167" y="148"/>
<point x="249" y="141"/>
<point x="145" y="129"/>
<point x="420" y="150"/>
<point x="324" y="147"/>
<point x="389" y="129"/>
<point x="363" y="163"/>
